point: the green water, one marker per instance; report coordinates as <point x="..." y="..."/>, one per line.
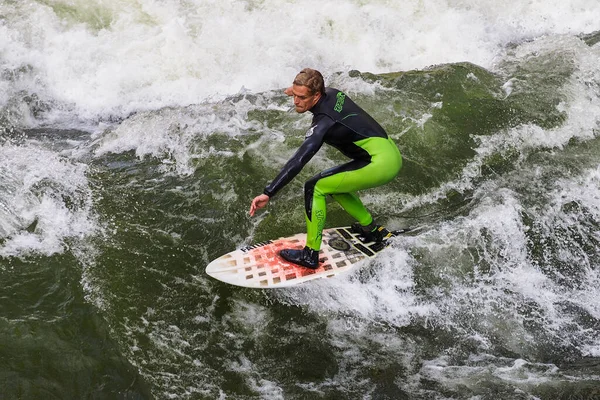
<point x="494" y="297"/>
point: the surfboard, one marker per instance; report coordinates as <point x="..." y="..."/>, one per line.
<point x="261" y="266"/>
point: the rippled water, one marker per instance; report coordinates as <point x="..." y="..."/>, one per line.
<point x="134" y="134"/>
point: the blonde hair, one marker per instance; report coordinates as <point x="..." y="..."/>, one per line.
<point x="312" y="79"/>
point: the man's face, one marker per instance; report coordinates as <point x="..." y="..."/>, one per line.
<point x="303" y="99"/>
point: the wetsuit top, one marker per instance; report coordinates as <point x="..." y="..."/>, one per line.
<point x="337" y="121"/>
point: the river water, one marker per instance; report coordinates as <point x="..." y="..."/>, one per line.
<point x="134" y="134"/>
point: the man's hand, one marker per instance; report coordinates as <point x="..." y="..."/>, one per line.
<point x="288" y="91"/>
<point x="259" y="202"/>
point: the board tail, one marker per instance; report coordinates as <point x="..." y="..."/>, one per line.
<point x="380" y="234"/>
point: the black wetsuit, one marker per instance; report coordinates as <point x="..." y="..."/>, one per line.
<point x="341" y="123"/>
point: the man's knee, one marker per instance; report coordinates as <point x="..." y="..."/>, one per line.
<point x="311" y="186"/>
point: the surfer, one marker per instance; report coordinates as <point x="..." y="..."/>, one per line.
<point x="375" y="160"/>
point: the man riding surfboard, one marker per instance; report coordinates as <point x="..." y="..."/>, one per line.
<point x="375" y="161"/>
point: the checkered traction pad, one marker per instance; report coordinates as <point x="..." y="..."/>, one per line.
<point x="260" y="265"/>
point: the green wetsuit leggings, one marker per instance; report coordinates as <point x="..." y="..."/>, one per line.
<point x="342" y="183"/>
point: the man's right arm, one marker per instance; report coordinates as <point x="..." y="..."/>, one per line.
<point x="303" y="155"/>
<point x="294" y="165"/>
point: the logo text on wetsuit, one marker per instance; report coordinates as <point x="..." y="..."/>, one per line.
<point x="339" y="104"/>
<point x="310" y="131"/>
<point x="320" y="214"/>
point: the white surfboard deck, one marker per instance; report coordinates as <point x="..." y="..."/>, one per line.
<point x="260" y="266"/>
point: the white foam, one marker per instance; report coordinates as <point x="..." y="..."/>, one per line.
<point x="508" y="288"/>
<point x="380" y="291"/>
<point x="172" y="135"/>
<point x="37" y="188"/>
<point x="581" y="106"/>
<point x="265" y="388"/>
<point x="483" y="282"/>
<point x="520" y="373"/>
<point x="585" y="193"/>
<point x="113" y="57"/>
